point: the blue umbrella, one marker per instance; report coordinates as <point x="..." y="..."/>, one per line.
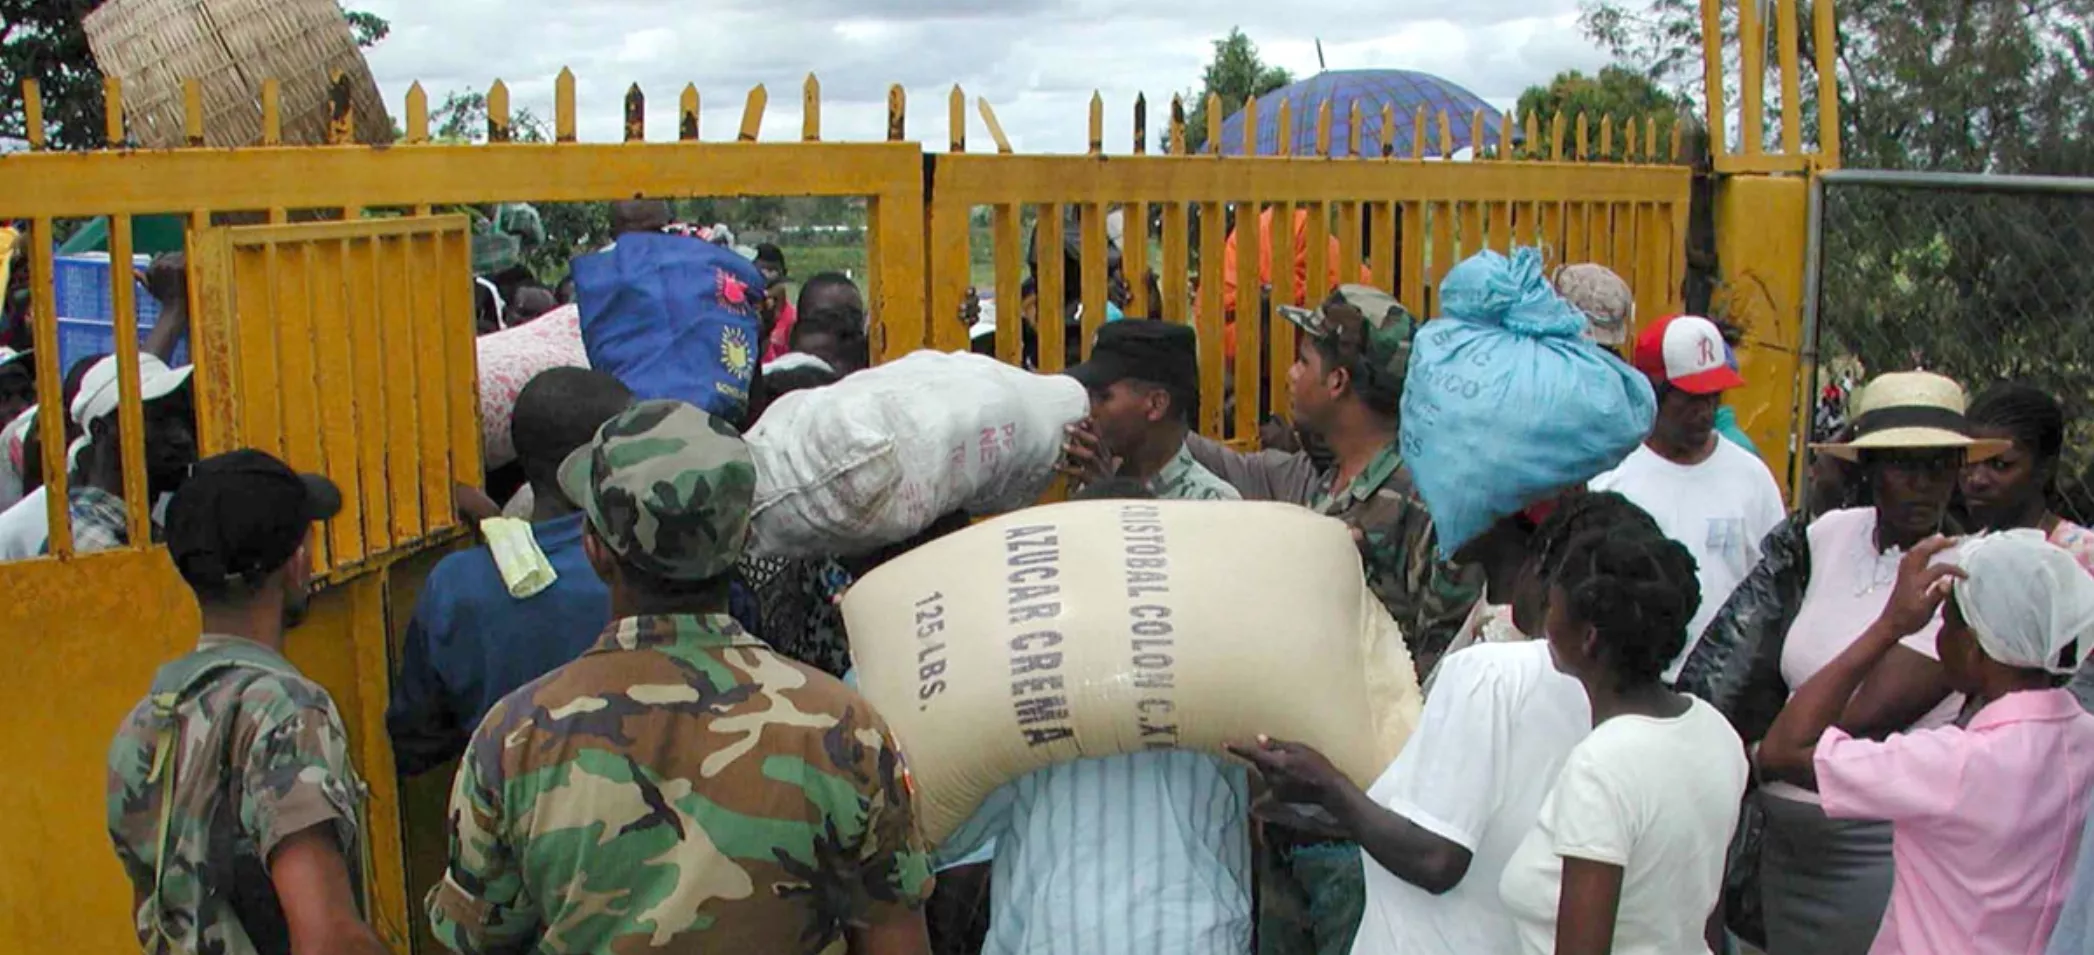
<point x="1406" y="90"/>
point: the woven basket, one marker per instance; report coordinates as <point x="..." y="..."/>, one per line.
<point x="230" y="47"/>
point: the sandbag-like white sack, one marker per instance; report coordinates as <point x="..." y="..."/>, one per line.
<point x="509" y="359"/>
<point x="1104" y="627"/>
<point x="877" y="457"/>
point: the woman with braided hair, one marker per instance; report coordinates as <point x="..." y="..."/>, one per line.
<point x="1626" y="854"/>
<point x="1440" y="823"/>
<point x="2015" y="488"/>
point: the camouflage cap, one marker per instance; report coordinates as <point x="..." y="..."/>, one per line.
<point x="1364" y="324"/>
<point x="668" y="487"/>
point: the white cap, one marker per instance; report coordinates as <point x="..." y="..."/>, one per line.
<point x="795" y="359"/>
<point x="99" y="390"/>
<point x="2028" y="602"/>
<point x="9" y="356"/>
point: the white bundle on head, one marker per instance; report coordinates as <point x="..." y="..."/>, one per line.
<point x="2029" y="603"/>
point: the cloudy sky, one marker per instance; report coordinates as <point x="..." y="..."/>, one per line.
<point x="1037" y="61"/>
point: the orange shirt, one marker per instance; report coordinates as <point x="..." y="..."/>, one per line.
<point x="1301" y="268"/>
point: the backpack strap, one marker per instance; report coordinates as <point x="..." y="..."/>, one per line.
<point x="171" y="685"/>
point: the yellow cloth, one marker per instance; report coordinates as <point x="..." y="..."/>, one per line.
<point x="517" y="557"/>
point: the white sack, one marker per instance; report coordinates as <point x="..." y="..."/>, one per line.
<point x="877" y="457"/>
<point x="1103" y="627"/>
<point x="509" y="359"/>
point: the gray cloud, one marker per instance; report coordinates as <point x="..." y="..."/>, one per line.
<point x="1037" y="61"/>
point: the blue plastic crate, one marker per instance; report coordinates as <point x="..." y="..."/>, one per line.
<point x="86" y="307"/>
<point x="80" y="338"/>
<point x="83" y="288"/>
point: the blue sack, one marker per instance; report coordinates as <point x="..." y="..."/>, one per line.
<point x="1506" y="402"/>
<point x="672" y="317"/>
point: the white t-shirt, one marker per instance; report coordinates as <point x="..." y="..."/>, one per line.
<point x="1498" y="724"/>
<point x="1657" y="797"/>
<point x="1719" y="510"/>
<point x="24" y="527"/>
<point x="1850" y="582"/>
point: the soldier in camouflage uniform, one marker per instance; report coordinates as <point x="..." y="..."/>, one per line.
<point x="1346" y="386"/>
<point x="232" y="803"/>
<point x="680" y="786"/>
<point x="1144" y="380"/>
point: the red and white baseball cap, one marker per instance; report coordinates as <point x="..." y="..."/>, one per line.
<point x="1687" y="352"/>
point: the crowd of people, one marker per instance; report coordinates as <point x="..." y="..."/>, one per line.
<point x="1662" y="713"/>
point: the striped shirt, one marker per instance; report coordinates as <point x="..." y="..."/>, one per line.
<point x="1144" y="852"/>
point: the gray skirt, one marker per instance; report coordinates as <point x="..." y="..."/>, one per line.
<point x="1824" y="882"/>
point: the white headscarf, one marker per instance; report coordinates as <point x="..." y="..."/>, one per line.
<point x="2029" y="603"/>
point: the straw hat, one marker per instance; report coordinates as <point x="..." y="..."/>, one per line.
<point x="1912" y="409"/>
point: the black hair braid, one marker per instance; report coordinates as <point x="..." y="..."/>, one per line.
<point x="1581" y="514"/>
<point x="1637" y="588"/>
<point x="2028" y="413"/>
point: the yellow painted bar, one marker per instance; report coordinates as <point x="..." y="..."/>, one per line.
<point x="1622" y="223"/>
<point x="1500" y="236"/>
<point x="213" y="341"/>
<point x="1008" y="260"/>
<point x="1411" y="290"/>
<point x="1134" y="258"/>
<point x="1443" y="249"/>
<point x="1761" y="291"/>
<point x="403" y="395"/>
<point x="1210" y="322"/>
<point x="1318" y="260"/>
<point x="1826" y="34"/>
<point x="1349" y="242"/>
<point x="51" y="412"/>
<point x="429" y="346"/>
<point x="1383" y="260"/>
<point x="299" y="329"/>
<point x="462" y="380"/>
<point x="35" y="184"/>
<point x="895" y="259"/>
<point x="33" y="113"/>
<point x="1050" y="179"/>
<point x="361" y="291"/>
<point x="1092" y="257"/>
<point x="1786" y="35"/>
<point x="1279" y="352"/>
<point x="1250" y="339"/>
<point x="130" y="413"/>
<point x="1177" y="254"/>
<point x="1048" y="267"/>
<point x="951" y="270"/>
<point x="1712" y="78"/>
<point x="341" y="440"/>
<point x="1471" y="219"/>
<point x="1752" y="79"/>
<point x="1577" y="232"/>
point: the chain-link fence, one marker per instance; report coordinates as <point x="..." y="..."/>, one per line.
<point x="1981" y="278"/>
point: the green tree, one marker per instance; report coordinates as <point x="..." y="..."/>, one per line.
<point x="1236" y="74"/>
<point x="1978" y="284"/>
<point x="1619" y="92"/>
<point x="43" y="40"/>
<point x="1962" y="85"/>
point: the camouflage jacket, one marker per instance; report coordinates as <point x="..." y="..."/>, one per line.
<point x="1429" y="598"/>
<point x="679" y="786"/>
<point x="237" y="750"/>
<point x="1183" y="479"/>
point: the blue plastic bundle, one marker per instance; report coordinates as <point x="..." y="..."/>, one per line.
<point x="672" y="317"/>
<point x="1506" y="402"/>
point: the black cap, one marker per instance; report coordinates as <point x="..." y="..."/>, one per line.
<point x="1164" y="353"/>
<point x="768" y="254"/>
<point x="243" y="514"/>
